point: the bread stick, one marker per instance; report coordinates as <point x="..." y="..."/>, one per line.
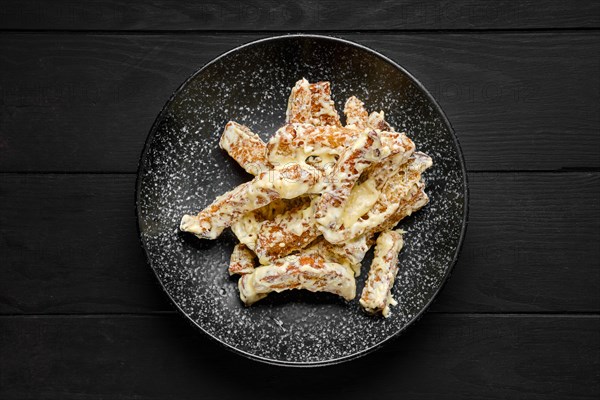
<point x="309" y="271"/>
<point x="376" y="296"/>
<point x="242" y="260"/>
<point x="245" y="147"/>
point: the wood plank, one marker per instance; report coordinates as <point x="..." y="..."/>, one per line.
<point x="300" y="15"/>
<point x="69" y="245"/>
<point x="532" y="245"/>
<point x="163" y="357"/>
<point x="87" y="102"/>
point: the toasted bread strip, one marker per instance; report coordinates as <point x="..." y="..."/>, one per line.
<point x="365" y="151"/>
<point x="405" y="190"/>
<point x="349" y="253"/>
<point x="380" y="172"/>
<point x="376" y="296"/>
<point x="395" y="143"/>
<point x="286" y="233"/>
<point x="356" y="114"/>
<point x="245" y="147"/>
<point x="286" y="182"/>
<point x="296" y="142"/>
<point x="407" y="206"/>
<point x="310" y="271"/>
<point x="299" y="103"/>
<point x="247" y="227"/>
<point x="401" y="147"/>
<point x="402" y="195"/>
<point x="242" y="260"/>
<point x="322" y="146"/>
<point x="322" y="107"/>
<point x="366" y="192"/>
<point x="227" y="208"/>
<point x="377" y="121"/>
<point x="311" y="103"/>
<point x="402" y="185"/>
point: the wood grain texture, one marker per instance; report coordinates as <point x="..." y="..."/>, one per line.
<point x="162" y="357"/>
<point x="87" y="102"/>
<point x="69" y="245"/>
<point x="256" y="15"/>
<point x="531" y="245"/>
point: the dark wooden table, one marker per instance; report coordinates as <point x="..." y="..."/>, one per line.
<point x="82" y="316"/>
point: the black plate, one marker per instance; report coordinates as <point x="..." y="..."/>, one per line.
<point x="182" y="170"/>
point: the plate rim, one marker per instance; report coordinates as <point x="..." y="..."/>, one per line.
<point x="465" y="217"/>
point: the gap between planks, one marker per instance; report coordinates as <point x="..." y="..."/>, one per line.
<point x="498" y="314"/>
<point x="307" y="32"/>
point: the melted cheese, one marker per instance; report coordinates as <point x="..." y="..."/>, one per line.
<point x="246" y="229"/>
<point x="361" y="200"/>
<point x="297" y="225"/>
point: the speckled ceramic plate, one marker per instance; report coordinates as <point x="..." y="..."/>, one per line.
<point x="182" y="170"/>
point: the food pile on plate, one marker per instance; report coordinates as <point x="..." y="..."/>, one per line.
<point x="323" y="193"/>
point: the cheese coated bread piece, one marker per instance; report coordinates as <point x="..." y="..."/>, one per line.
<point x="296" y="142"/>
<point x="309" y="271"/>
<point x="299" y="103"/>
<point x="376" y="296"/>
<point x="365" y="150"/>
<point x="397" y="196"/>
<point x="395" y="143"/>
<point x="311" y="103"/>
<point x="349" y="253"/>
<point x="286" y="182"/>
<point x="395" y="150"/>
<point x="380" y="172"/>
<point x="369" y="186"/>
<point x="356" y="115"/>
<point x="333" y="206"/>
<point x="241" y="261"/>
<point x="227" y="208"/>
<point x="381" y="206"/>
<point x="322" y="107"/>
<point x="407" y="206"/>
<point x="377" y="121"/>
<point x="286" y="233"/>
<point x="299" y="142"/>
<point x="247" y="227"/>
<point x="245" y="147"/>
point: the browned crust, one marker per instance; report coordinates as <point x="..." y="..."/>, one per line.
<point x="299" y="109"/>
<point x="345" y="174"/>
<point x="284" y="145"/>
<point x="355" y="112"/>
<point x="245" y="147"/>
<point x="322" y="107"/>
<point x="280" y="237"/>
<point x="382" y="274"/>
<point x="309" y="271"/>
<point x="241" y="261"/>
